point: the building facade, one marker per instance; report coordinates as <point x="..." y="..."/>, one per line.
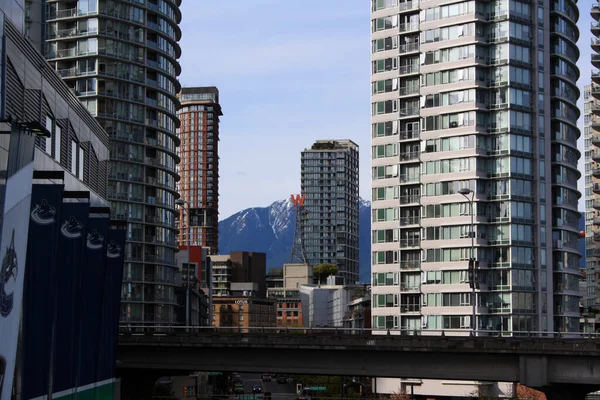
<point x="283" y="285"/>
<point x="237" y="267"/>
<point x="592" y="169"/>
<point x="120" y="58"/>
<point x="55" y="218"/>
<point x="592" y="199"/>
<point x="199" y="167"/>
<point x="243" y="312"/>
<point x="329" y="228"/>
<point x="474" y="113"/>
<point x="328" y="306"/>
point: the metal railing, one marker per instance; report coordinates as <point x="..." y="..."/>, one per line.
<point x="163" y="330"/>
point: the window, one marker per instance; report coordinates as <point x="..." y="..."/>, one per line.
<point x="81" y="163"/>
<point x="57" y="139"/>
<point x="73" y="157"/>
<point x="49" y="122"/>
<point x="241" y="318"/>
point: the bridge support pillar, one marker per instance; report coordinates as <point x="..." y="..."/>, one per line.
<point x="567" y="391"/>
<point x="138" y="385"/>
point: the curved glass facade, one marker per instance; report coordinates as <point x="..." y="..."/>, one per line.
<point x="592" y="169"/>
<point x="486" y="102"/>
<point x="121" y="59"/>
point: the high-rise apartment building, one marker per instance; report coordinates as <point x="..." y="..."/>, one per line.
<point x="329" y="228"/>
<point x="592" y="198"/>
<point x="199" y="166"/>
<point x="479" y="98"/>
<point x="120" y="58"/>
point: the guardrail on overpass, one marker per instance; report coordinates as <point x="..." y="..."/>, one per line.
<point x="552" y="363"/>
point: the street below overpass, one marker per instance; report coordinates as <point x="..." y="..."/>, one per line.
<point x="279" y="391"/>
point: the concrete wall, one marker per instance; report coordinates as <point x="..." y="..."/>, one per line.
<point x="295" y="275"/>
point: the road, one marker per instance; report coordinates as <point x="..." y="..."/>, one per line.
<point x="279" y="391"/>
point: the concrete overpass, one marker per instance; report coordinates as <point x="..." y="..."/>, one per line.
<point x="563" y="368"/>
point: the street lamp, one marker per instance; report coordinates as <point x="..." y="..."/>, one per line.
<point x="185" y="206"/>
<point x="465" y="192"/>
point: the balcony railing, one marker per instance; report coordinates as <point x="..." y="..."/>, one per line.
<point x="408" y="156"/>
<point x="407" y="308"/>
<point x="408" y="287"/>
<point x="408" y="5"/>
<point x="409" y="199"/>
<point x="409" y="220"/>
<point x="405" y="178"/>
<point x="414" y="242"/>
<point x="410" y="265"/>
<point x="409" y="26"/>
<point x="408" y="48"/>
<point x="409" y="134"/>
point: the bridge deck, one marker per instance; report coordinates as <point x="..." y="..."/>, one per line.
<point x="396" y="343"/>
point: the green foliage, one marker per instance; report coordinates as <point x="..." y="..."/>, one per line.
<point x="322" y="271"/>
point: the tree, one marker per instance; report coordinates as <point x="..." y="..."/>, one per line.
<point x="322" y="271"/>
<point x="524" y="392"/>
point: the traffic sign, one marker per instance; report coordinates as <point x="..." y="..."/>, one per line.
<point x="316" y="388"/>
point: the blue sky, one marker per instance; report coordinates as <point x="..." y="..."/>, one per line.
<point x="289" y="73"/>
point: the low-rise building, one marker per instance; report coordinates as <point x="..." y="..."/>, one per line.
<point x="283" y="286"/>
<point x="332" y="306"/>
<point x="238" y="266"/>
<point x="358" y="310"/>
<point x="197" y="274"/>
<point x="243" y="309"/>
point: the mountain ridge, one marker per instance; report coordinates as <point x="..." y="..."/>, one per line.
<point x="270" y="230"/>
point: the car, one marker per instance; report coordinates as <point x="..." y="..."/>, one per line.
<point x="281" y="379"/>
<point x="257" y="389"/>
<point x="259" y="396"/>
<point x="266" y="377"/>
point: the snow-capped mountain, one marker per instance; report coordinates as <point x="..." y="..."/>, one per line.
<point x="271" y="230"/>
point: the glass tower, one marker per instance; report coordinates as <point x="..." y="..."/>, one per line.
<point x="120" y="58"/>
<point x="329" y="227"/>
<point x="477" y="97"/>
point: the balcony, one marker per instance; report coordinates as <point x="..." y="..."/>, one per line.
<point x="404" y="221"/>
<point x="413" y="242"/>
<point x="596" y="204"/>
<point x="596" y="57"/>
<point x="405" y="178"/>
<point x="409" y="135"/>
<point x="596" y="221"/>
<point x="410" y="308"/>
<point x="408" y="6"/>
<point x="595" y="12"/>
<point x="409" y="199"/>
<point x="410" y="265"/>
<point x="596" y="137"/>
<point x="409" y="287"/>
<point x="408" y="27"/>
<point x="408" y="90"/>
<point x="408" y="48"/>
<point x="596" y="172"/>
<point x="409" y="69"/>
<point x="595" y="43"/>
<point x="409" y="156"/>
<point x="596" y="155"/>
<point x="597" y="236"/>
<point x="408" y="112"/>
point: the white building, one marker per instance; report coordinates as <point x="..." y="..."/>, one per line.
<point x="326" y="306"/>
<point x="481" y="98"/>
